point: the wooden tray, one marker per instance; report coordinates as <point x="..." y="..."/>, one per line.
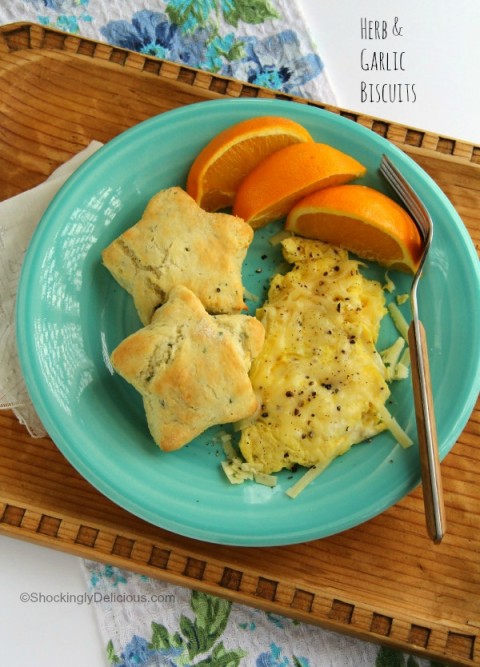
<point x="383" y="581"/>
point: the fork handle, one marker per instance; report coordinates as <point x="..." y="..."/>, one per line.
<point x="427" y="433"/>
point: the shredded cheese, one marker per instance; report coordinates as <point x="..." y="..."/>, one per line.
<point x="237" y="470"/>
<point x="394" y="427"/>
<point x="250" y="296"/>
<point x="402" y="298"/>
<point x="398" y="319"/>
<point x="389" y="284"/>
<point x="390" y="357"/>
<point x="306" y="479"/>
<point x="277" y="238"/>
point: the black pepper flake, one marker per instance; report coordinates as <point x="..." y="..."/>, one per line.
<point x="258" y="270"/>
<point x="264" y="256"/>
<point x="338" y="307"/>
<point x="326" y="385"/>
<point x="336" y="268"/>
<point x="218" y="289"/>
<point x="289" y="393"/>
<point x="264" y="415"/>
<point x="296" y="412"/>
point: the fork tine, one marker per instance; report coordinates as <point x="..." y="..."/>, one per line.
<point x="408" y="196"/>
<point x="402" y="189"/>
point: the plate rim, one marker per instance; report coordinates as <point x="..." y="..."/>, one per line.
<point x="57" y="201"/>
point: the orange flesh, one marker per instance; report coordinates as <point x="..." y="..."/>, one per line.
<point x="281" y="208"/>
<point x="362" y="220"/>
<point x="220" y="166"/>
<point x="226" y="173"/>
<point x="285" y="177"/>
<point x="364" y="240"/>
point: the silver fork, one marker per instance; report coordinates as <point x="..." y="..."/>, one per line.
<point x="421" y="382"/>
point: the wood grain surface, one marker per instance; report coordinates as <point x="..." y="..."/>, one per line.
<point x="383" y="581"/>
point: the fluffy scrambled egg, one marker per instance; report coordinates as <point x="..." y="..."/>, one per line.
<point x="319" y="376"/>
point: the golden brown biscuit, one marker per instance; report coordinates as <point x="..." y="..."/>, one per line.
<point x="178" y="243"/>
<point x="191" y="368"/>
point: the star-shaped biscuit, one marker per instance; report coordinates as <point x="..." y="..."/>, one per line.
<point x="191" y="368"/>
<point x="178" y="243"/>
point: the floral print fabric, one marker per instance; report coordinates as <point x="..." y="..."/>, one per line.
<point x="262" y="42"/>
<point x="145" y="622"/>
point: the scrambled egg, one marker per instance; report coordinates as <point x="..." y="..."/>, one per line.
<point x="319" y="376"/>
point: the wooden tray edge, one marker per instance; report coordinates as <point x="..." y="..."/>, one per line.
<point x="25" y="35"/>
<point x="419" y="636"/>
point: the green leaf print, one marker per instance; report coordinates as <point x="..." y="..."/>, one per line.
<point x="389" y="657"/>
<point x="250" y="11"/>
<point x="162" y="639"/>
<point x="197" y="637"/>
<point x="112" y="657"/>
<point x="222" y="657"/>
<point x="212" y="613"/>
<point x="190" y="14"/>
<point x="210" y="622"/>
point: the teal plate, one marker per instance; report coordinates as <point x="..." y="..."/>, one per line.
<point x="71" y="314"/>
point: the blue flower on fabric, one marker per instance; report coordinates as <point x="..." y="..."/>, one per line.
<point x="62" y="21"/>
<point x="107" y="574"/>
<point x="277" y="62"/>
<point x="217" y="50"/>
<point x="149" y="32"/>
<point x="272" y="658"/>
<point x="58" y="5"/>
<point x="138" y="654"/>
<point x="278" y="621"/>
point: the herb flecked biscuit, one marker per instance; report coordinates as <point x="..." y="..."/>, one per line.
<point x="178" y="243"/>
<point x="191" y="368"/>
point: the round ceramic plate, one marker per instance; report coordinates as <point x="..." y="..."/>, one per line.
<point x="71" y="314"/>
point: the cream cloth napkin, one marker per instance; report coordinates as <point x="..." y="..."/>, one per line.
<point x="19" y="217"/>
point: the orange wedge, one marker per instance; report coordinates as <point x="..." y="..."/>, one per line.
<point x="220" y="166"/>
<point x="362" y="220"/>
<point x="269" y="191"/>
